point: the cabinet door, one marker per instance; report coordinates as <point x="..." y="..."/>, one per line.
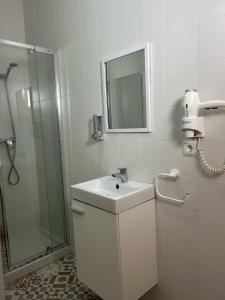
<point x="138" y="249"/>
<point x="97" y="250"/>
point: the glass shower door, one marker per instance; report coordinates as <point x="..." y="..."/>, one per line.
<point x="33" y="219"/>
<point x="21" y="203"/>
<point x="51" y="141"/>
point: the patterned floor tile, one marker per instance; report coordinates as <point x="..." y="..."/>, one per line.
<point x="57" y="281"/>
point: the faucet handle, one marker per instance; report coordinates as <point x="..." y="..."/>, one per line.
<point x="122" y="170"/>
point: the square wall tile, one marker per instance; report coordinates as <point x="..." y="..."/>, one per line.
<point x="167" y="124"/>
<point x="214" y="126"/>
<point x="177" y="222"/>
<point x="95" y="153"/>
<point x="177" y="83"/>
<point x="106" y="26"/>
<point x="211" y="269"/>
<point x="130" y="153"/>
<point x="180" y="15"/>
<point x="150" y="20"/>
<point x="157" y="73"/>
<point x="177" y="287"/>
<point x="181" y="255"/>
<point x="211" y="233"/>
<point x="93" y="99"/>
<point x="212" y="41"/>
<point x="126" y="24"/>
<point x="89" y="38"/>
<point x="210" y="196"/>
<point x="92" y="76"/>
<point x="209" y="9"/>
<point x="181" y="50"/>
<point x="111" y="155"/>
<point x="209" y="292"/>
<point x="211" y="81"/>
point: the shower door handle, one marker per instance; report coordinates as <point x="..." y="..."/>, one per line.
<point x="78" y="210"/>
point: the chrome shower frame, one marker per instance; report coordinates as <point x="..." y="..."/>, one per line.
<point x="14" y="274"/>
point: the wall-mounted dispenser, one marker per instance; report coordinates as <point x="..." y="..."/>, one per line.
<point x="97" y="127"/>
<point x="193" y="127"/>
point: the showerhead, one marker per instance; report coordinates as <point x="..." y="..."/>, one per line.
<point x="11" y="65"/>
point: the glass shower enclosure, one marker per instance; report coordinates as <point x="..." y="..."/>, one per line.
<point x="32" y="218"/>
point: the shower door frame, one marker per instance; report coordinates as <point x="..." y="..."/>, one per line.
<point x="65" y="246"/>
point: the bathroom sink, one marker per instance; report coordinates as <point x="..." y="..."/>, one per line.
<point x="111" y="194"/>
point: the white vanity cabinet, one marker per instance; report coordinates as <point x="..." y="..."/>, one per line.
<point x="116" y="253"/>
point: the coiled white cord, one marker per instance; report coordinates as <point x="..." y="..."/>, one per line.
<point x="206" y="165"/>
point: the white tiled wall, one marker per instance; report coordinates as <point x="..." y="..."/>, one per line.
<point x="12" y="20"/>
<point x="188" y="45"/>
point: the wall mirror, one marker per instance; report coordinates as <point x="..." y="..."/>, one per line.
<point x="126" y="91"/>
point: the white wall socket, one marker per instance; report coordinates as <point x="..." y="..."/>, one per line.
<point x="190" y="147"/>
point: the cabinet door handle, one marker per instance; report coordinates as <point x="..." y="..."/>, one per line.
<point x="78" y="210"/>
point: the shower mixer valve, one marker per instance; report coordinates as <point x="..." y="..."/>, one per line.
<point x="11" y="143"/>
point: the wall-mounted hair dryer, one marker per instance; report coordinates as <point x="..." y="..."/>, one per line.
<point x="194" y="129"/>
<point x="192" y="124"/>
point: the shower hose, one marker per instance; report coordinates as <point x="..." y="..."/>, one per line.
<point x="11" y="145"/>
<point x="12" y="156"/>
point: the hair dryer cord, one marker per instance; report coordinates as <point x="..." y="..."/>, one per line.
<point x="206" y="165"/>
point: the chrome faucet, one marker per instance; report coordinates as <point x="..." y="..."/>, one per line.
<point x="122" y="174"/>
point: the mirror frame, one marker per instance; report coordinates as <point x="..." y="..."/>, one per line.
<point x="147" y="54"/>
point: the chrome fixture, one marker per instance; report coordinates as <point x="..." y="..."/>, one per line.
<point x="11" y="141"/>
<point x="97" y="127"/>
<point x="3" y="141"/>
<point x="122" y="174"/>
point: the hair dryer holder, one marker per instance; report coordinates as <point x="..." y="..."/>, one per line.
<point x="193" y="127"/>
